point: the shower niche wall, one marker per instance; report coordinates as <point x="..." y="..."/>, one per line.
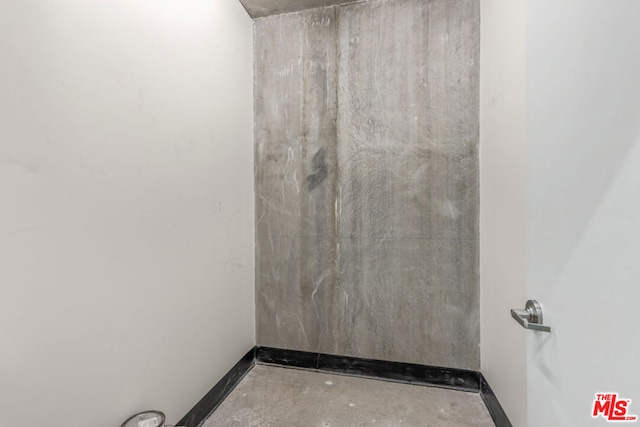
<point x="366" y="180"/>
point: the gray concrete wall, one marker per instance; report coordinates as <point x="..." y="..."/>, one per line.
<point x="366" y="121"/>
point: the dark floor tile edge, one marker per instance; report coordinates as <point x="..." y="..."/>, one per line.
<point x="498" y="415"/>
<point x="210" y="402"/>
<point x="433" y="376"/>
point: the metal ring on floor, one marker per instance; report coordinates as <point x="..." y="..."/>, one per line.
<point x="138" y="419"/>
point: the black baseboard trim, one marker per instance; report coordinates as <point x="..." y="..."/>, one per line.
<point x="433" y="376"/>
<point x="210" y="402"/>
<point x="498" y="415"/>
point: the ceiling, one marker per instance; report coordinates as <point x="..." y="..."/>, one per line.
<point x="260" y="8"/>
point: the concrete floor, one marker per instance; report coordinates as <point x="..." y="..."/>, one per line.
<point x="279" y="397"/>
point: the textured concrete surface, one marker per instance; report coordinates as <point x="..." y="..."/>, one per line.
<point x="260" y="8"/>
<point x="276" y="397"/>
<point x="367" y="181"/>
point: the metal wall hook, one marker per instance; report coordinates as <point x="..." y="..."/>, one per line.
<point x="530" y="317"/>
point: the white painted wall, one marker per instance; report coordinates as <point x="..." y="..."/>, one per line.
<point x="583" y="133"/>
<point x="126" y="206"/>
<point x="503" y="201"/>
